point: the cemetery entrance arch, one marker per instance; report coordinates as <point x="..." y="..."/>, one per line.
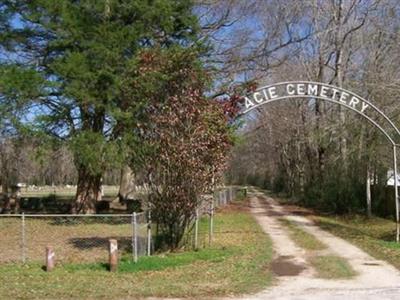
<point x="333" y="94"/>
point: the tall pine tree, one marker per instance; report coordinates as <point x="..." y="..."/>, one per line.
<point x="65" y="65"/>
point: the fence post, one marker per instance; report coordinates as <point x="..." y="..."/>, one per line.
<point x="149" y="234"/>
<point x="23" y="239"/>
<point x="133" y="237"/>
<point x="196" y="229"/>
<point x="211" y="227"/>
<point x="113" y="255"/>
<point x="225" y="198"/>
<point x="135" y="252"/>
<point x="50" y="259"/>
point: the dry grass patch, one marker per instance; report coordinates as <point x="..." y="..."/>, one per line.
<point x="237" y="263"/>
<point x="332" y="267"/>
<point x="302" y="238"/>
<point x="74" y="239"/>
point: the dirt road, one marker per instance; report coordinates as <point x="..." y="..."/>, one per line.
<point x="375" y="280"/>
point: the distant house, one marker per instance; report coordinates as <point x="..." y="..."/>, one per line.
<point x="390" y="178"/>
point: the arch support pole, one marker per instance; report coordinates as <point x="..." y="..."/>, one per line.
<point x="396" y="195"/>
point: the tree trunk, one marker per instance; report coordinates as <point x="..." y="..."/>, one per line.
<point x="127" y="184"/>
<point x="6" y="199"/>
<point x="88" y="192"/>
<point x="11" y="201"/>
<point x="368" y="192"/>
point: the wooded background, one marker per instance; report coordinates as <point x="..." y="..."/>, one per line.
<point x="318" y="152"/>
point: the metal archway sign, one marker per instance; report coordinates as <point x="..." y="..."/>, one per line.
<point x="330" y="93"/>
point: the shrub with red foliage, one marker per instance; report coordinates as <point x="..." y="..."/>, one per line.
<point x="188" y="138"/>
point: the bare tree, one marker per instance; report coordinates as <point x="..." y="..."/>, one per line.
<point x="325" y="152"/>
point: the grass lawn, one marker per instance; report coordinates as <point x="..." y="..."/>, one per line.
<point x="374" y="235"/>
<point x="237" y="262"/>
<point x="332" y="267"/>
<point x="302" y="238"/>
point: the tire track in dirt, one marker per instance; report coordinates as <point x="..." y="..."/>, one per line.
<point x="376" y="279"/>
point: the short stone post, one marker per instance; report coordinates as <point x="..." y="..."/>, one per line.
<point x="50" y="258"/>
<point x="113" y="255"/>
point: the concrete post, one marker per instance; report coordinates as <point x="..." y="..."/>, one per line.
<point x="113" y="255"/>
<point x="50" y="259"/>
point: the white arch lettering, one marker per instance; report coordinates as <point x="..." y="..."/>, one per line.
<point x="248" y="103"/>
<point x="322" y="91"/>
<point x="256" y="97"/>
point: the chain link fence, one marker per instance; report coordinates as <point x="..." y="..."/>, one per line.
<point x="74" y="238"/>
<point x="202" y="232"/>
<point x="85" y="238"/>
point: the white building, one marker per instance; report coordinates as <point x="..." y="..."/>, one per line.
<point x="390" y="178"/>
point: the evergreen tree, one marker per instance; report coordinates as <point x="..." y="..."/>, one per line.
<point x="66" y="65"/>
